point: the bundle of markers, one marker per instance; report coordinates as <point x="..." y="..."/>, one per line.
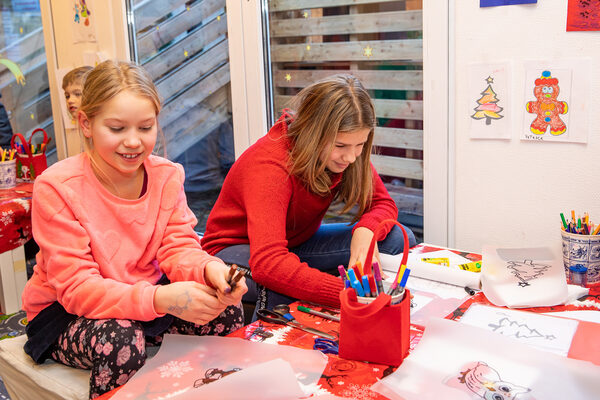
<point x="579" y="225"/>
<point x="7" y="154"/>
<point x="371" y="285"/>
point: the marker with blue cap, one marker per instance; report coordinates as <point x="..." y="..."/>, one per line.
<point x="354" y="282"/>
<point x="366" y="286"/>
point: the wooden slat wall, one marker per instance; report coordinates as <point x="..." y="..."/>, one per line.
<point x="361" y="23"/>
<point x="151" y="42"/>
<point x="183" y="45"/>
<point x="408" y="49"/>
<point x="287" y="5"/>
<point x="312" y="39"/>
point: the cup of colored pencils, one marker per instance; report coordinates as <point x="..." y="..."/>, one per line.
<point x="581" y="249"/>
<point x="8" y="169"/>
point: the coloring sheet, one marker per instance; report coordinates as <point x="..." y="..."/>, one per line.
<point x="583" y="315"/>
<point x="543" y="332"/>
<point x="523" y="277"/>
<point x="556" y="103"/>
<point x="489" y="101"/>
<point x="457" y="361"/>
<point x="185" y="364"/>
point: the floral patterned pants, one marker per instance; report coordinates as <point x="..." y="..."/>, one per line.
<point x="115" y="349"/>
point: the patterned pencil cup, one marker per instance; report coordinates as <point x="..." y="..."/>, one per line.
<point x="8" y="174"/>
<point x="582" y="250"/>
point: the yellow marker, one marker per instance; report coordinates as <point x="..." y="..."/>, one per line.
<point x="474" y="266"/>
<point x="439" y="261"/>
<point x="401" y="273"/>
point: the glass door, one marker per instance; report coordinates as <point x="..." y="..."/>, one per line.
<point x="381" y="43"/>
<point x="183" y="44"/>
<point x="25" y="93"/>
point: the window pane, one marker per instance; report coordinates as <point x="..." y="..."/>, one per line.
<point x="24" y="75"/>
<point x="183" y="45"/>
<point x="380" y="43"/>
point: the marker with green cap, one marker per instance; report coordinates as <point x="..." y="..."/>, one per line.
<point x="318" y="313"/>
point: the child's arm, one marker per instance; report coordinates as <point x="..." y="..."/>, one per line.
<point x="266" y="199"/>
<point x="382" y="207"/>
<point x="181" y="258"/>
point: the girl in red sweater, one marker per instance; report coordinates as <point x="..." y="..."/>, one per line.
<point x="119" y="261"/>
<point x="269" y="213"/>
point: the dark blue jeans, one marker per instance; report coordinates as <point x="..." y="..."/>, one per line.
<point x="325" y="250"/>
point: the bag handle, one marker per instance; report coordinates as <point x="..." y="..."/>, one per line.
<point x="351" y="305"/>
<point x="383" y="224"/>
<point x="46" y="139"/>
<point x="24" y="143"/>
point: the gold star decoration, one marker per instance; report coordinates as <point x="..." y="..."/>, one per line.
<point x="308" y="47"/>
<point x="288" y="77"/>
<point x="305" y="14"/>
<point x="367" y="51"/>
<point x="185" y="53"/>
<point x="489" y="79"/>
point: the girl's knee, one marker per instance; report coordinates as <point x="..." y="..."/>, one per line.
<point x="122" y="345"/>
<point x="394" y="242"/>
<point x="232" y="318"/>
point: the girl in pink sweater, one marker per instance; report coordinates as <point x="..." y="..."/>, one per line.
<point x="119" y="261"/>
<point x="269" y="214"/>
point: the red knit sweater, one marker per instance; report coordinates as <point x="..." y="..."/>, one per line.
<point x="262" y="205"/>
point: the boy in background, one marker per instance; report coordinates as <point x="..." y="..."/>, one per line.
<point x="72" y="84"/>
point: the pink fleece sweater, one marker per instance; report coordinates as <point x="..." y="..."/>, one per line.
<point x="101" y="255"/>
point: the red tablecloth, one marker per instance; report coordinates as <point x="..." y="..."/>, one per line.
<point x="15" y="216"/>
<point x="352" y="379"/>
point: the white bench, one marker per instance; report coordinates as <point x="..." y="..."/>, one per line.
<point x="26" y="380"/>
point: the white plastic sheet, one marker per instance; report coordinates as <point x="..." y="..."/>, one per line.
<point x="457" y="361"/>
<point x="523" y="277"/>
<point x="185" y="364"/>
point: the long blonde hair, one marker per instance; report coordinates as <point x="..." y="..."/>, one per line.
<point x="108" y="79"/>
<point x="335" y="104"/>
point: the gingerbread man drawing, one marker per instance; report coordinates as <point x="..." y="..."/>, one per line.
<point x="547" y="107"/>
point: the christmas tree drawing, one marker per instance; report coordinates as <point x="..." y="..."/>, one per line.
<point x="526" y="270"/>
<point x="487" y="107"/>
<point x="509" y="327"/>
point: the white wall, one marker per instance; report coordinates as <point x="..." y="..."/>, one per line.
<point x="510" y="193"/>
<point x="62" y="53"/>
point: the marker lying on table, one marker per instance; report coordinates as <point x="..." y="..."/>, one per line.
<point x="318" y="313"/>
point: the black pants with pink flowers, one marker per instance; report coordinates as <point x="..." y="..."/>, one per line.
<point x="115" y="349"/>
